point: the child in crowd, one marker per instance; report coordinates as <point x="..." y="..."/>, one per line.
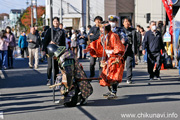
<point x="4" y="42"/>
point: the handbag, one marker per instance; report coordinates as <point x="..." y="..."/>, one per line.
<point x="178" y="55"/>
<point x="15" y="54"/>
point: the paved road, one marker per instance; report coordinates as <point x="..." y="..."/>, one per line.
<point x="25" y="96"/>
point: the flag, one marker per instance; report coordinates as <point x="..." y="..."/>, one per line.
<point x="168" y="8"/>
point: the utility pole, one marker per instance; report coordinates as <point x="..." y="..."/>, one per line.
<point x="61" y="20"/>
<point x="51" y="24"/>
<point x="36" y="12"/>
<point x="87" y="13"/>
<point x="31" y="13"/>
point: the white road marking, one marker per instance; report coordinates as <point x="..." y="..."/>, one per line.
<point x="1" y="115"/>
<point x="2" y="75"/>
<point x="164" y="96"/>
<point x="27" y="69"/>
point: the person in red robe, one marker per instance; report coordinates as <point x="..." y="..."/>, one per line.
<point x="111" y="49"/>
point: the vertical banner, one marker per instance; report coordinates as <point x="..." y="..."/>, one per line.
<point x="169" y="11"/>
<point x="168" y="8"/>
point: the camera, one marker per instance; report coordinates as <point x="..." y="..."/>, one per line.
<point x="129" y="36"/>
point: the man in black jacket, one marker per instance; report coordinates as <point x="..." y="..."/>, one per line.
<point x="153" y="43"/>
<point x="131" y="48"/>
<point x="58" y="39"/>
<point x="94" y="34"/>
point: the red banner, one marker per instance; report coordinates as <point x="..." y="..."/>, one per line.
<point x="168" y="8"/>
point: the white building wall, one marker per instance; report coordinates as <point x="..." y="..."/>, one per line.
<point x="13" y="19"/>
<point x="96" y="9"/>
<point x="71" y="9"/>
<point x="154" y="7"/>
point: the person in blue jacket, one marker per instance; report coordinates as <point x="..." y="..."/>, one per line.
<point x="23" y="44"/>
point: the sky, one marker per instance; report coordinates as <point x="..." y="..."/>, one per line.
<point x="7" y="5"/>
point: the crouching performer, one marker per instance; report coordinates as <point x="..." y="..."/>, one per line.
<point x="111" y="49"/>
<point x="71" y="82"/>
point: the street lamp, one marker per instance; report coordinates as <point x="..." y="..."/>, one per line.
<point x="27" y="2"/>
<point x="34" y="3"/>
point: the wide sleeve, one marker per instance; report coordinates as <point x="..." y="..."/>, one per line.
<point x="119" y="48"/>
<point x="95" y="48"/>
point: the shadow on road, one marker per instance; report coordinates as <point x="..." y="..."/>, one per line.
<point x="136" y="99"/>
<point x="22" y="76"/>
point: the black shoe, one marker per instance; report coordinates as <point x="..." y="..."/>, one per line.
<point x="112" y="96"/>
<point x="91" y="76"/>
<point x="107" y="94"/>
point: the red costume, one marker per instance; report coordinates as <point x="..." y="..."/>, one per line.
<point x="113" y="51"/>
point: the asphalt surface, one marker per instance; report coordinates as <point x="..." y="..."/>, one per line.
<point x="25" y="96"/>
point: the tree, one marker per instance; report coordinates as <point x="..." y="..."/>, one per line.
<point x="26" y="17"/>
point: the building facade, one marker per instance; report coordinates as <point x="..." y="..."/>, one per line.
<point x="14" y="15"/>
<point x="73" y="12"/>
<point x="121" y="8"/>
<point x="148" y="10"/>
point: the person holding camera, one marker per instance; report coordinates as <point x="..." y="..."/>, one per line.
<point x="131" y="48"/>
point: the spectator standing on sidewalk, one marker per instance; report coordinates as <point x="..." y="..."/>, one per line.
<point x="82" y="36"/>
<point x="58" y="39"/>
<point x="11" y="46"/>
<point x="23" y="44"/>
<point x="33" y="47"/>
<point x="139" y="42"/>
<point x="88" y="29"/>
<point x="153" y="43"/>
<point x="143" y="32"/>
<point x="74" y="42"/>
<point x="4" y="42"/>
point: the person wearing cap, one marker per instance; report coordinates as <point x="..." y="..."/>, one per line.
<point x="111" y="49"/>
<point x="82" y="37"/>
<point x="113" y="21"/>
<point x="94" y="34"/>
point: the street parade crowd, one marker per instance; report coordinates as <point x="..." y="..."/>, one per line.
<point x="114" y="47"/>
